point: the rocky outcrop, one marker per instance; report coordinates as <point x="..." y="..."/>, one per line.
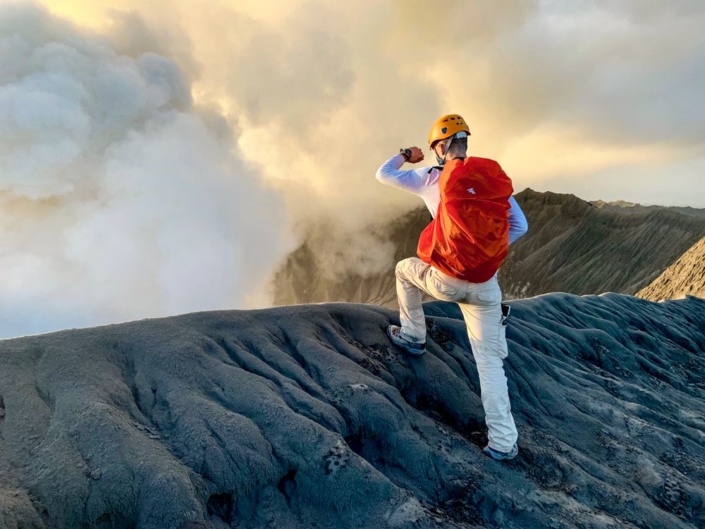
<point x="306" y="416"/>
<point x="685" y="277"/>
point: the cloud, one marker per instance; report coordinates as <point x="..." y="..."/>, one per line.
<point x="119" y="200"/>
<point x="323" y="92"/>
<point x="297" y="103"/>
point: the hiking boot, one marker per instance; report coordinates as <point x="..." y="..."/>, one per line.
<point x="410" y="346"/>
<point x="501" y="456"/>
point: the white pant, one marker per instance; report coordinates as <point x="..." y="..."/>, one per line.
<point x="480" y="304"/>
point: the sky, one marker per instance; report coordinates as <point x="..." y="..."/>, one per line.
<point x="163" y="157"/>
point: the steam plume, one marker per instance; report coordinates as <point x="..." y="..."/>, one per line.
<point x="118" y="199"/>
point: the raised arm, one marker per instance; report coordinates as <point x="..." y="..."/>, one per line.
<point x="518" y="225"/>
<point x="413" y="180"/>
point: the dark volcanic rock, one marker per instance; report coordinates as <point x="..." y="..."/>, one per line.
<point x="306" y="417"/>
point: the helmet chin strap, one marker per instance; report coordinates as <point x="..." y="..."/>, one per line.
<point x="442" y="161"/>
<point x="448" y="142"/>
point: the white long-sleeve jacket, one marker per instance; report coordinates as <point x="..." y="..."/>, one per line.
<point x="423" y="182"/>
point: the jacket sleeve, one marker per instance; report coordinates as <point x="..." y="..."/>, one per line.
<point x="390" y="173"/>
<point x="518" y="226"/>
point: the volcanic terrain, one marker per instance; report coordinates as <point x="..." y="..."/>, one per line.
<point x="306" y="416"/>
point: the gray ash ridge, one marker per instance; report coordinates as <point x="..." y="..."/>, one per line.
<point x="306" y="416"/>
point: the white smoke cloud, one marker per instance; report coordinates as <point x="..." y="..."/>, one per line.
<point x="558" y="92"/>
<point x="325" y="90"/>
<point x="118" y="199"/>
<point x="599" y="98"/>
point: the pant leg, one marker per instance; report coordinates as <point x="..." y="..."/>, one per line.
<point x="414" y="277"/>
<point x="409" y="278"/>
<point x="483" y="314"/>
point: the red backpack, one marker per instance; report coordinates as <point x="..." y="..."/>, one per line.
<point x="469" y="237"/>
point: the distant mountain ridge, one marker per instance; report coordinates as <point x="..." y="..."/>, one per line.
<point x="623" y="206"/>
<point x="572" y="246"/>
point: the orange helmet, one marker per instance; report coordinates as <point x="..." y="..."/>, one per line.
<point x="447" y="126"/>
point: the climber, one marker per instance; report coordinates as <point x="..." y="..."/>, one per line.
<point x="473" y="195"/>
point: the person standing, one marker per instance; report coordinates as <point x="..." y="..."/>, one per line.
<point x="475" y="218"/>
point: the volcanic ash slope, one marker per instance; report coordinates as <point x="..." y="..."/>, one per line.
<point x="684" y="277"/>
<point x="302" y="417"/>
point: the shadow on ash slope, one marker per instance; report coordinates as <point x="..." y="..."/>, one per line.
<point x="305" y="417"/>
